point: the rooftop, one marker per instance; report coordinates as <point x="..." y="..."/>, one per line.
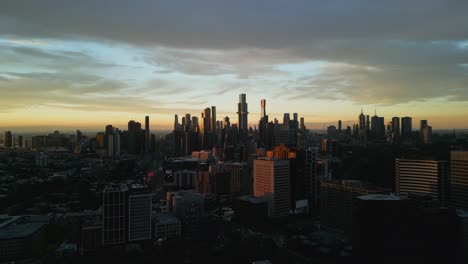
<point x="20" y="227"/>
<point x="252" y="199"/>
<point x="167" y="218"/>
<point x="380" y="197"/>
<point x="115" y="187"/>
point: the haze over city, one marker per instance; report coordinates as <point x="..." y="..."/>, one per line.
<point x="69" y="64"/>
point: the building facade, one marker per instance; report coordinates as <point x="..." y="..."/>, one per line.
<point x="422" y="177"/>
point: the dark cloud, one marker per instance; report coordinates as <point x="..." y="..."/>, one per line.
<point x="373" y="52"/>
<point x="234" y="24"/>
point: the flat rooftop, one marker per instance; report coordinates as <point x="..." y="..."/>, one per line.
<point x="167" y="218"/>
<point x="20" y="227"/>
<point x="379" y="197"/>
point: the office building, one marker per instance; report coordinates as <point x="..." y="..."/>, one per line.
<point x="377" y="127"/>
<point x="22" y="237"/>
<point x="139" y="212"/>
<point x="422" y="125"/>
<point x="20" y="142"/>
<point x="286" y="119"/>
<point x="302" y="124"/>
<point x="363" y="128"/>
<point x="8" y="141"/>
<point x="422" y="177"/>
<point x="90" y="237"/>
<point x="427" y="135"/>
<point x="393" y="229"/>
<point x="337" y="198"/>
<point x="167" y="226"/>
<point x="114" y="214"/>
<point x="272" y="180"/>
<point x="332" y="132"/>
<point x="262" y="125"/>
<point x="406" y="129"/>
<point x="147" y="134"/>
<point x="186" y="179"/>
<point x="263" y="107"/>
<point x="395" y="129"/>
<point x="242" y="112"/>
<point x="459" y="179"/>
<point x="188" y="206"/>
<point x="213" y="118"/>
<point x="176" y="122"/>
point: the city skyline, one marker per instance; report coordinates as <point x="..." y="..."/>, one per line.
<point x="74" y="67"/>
<point x="217" y="131"/>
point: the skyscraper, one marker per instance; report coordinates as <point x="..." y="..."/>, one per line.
<point x="337" y="200"/>
<point x="213" y="118"/>
<point x="188" y="122"/>
<point x="362" y="128"/>
<point x="242" y="112"/>
<point x="422" y="125"/>
<point x="195" y="123"/>
<point x="271" y="180"/>
<point x="427" y="135"/>
<point x="263" y="106"/>
<point x="207" y="120"/>
<point x="378" y="127"/>
<point x="339" y="126"/>
<point x="20" y="142"/>
<point x="8" y="142"/>
<point x="396" y="129"/>
<point x="459" y="179"/>
<point x="147" y="134"/>
<point x="286" y="119"/>
<point x="263" y="122"/>
<point x="176" y="122"/>
<point x="139" y="213"/>
<point x="422" y="177"/>
<point x="406" y="128"/>
<point x="114" y="211"/>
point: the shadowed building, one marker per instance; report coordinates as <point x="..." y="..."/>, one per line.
<point x="242" y="112"/>
<point x="459" y="179"/>
<point x="422" y="177"/>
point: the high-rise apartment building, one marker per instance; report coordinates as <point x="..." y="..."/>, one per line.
<point x="422" y="177"/>
<point x="271" y="180"/>
<point x="459" y="179"/>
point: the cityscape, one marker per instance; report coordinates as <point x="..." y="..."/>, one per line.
<point x="373" y="190"/>
<point x="266" y="133"/>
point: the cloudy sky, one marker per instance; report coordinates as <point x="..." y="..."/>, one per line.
<point x="84" y="64"/>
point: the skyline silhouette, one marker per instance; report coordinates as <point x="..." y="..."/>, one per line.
<point x="105" y="62"/>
